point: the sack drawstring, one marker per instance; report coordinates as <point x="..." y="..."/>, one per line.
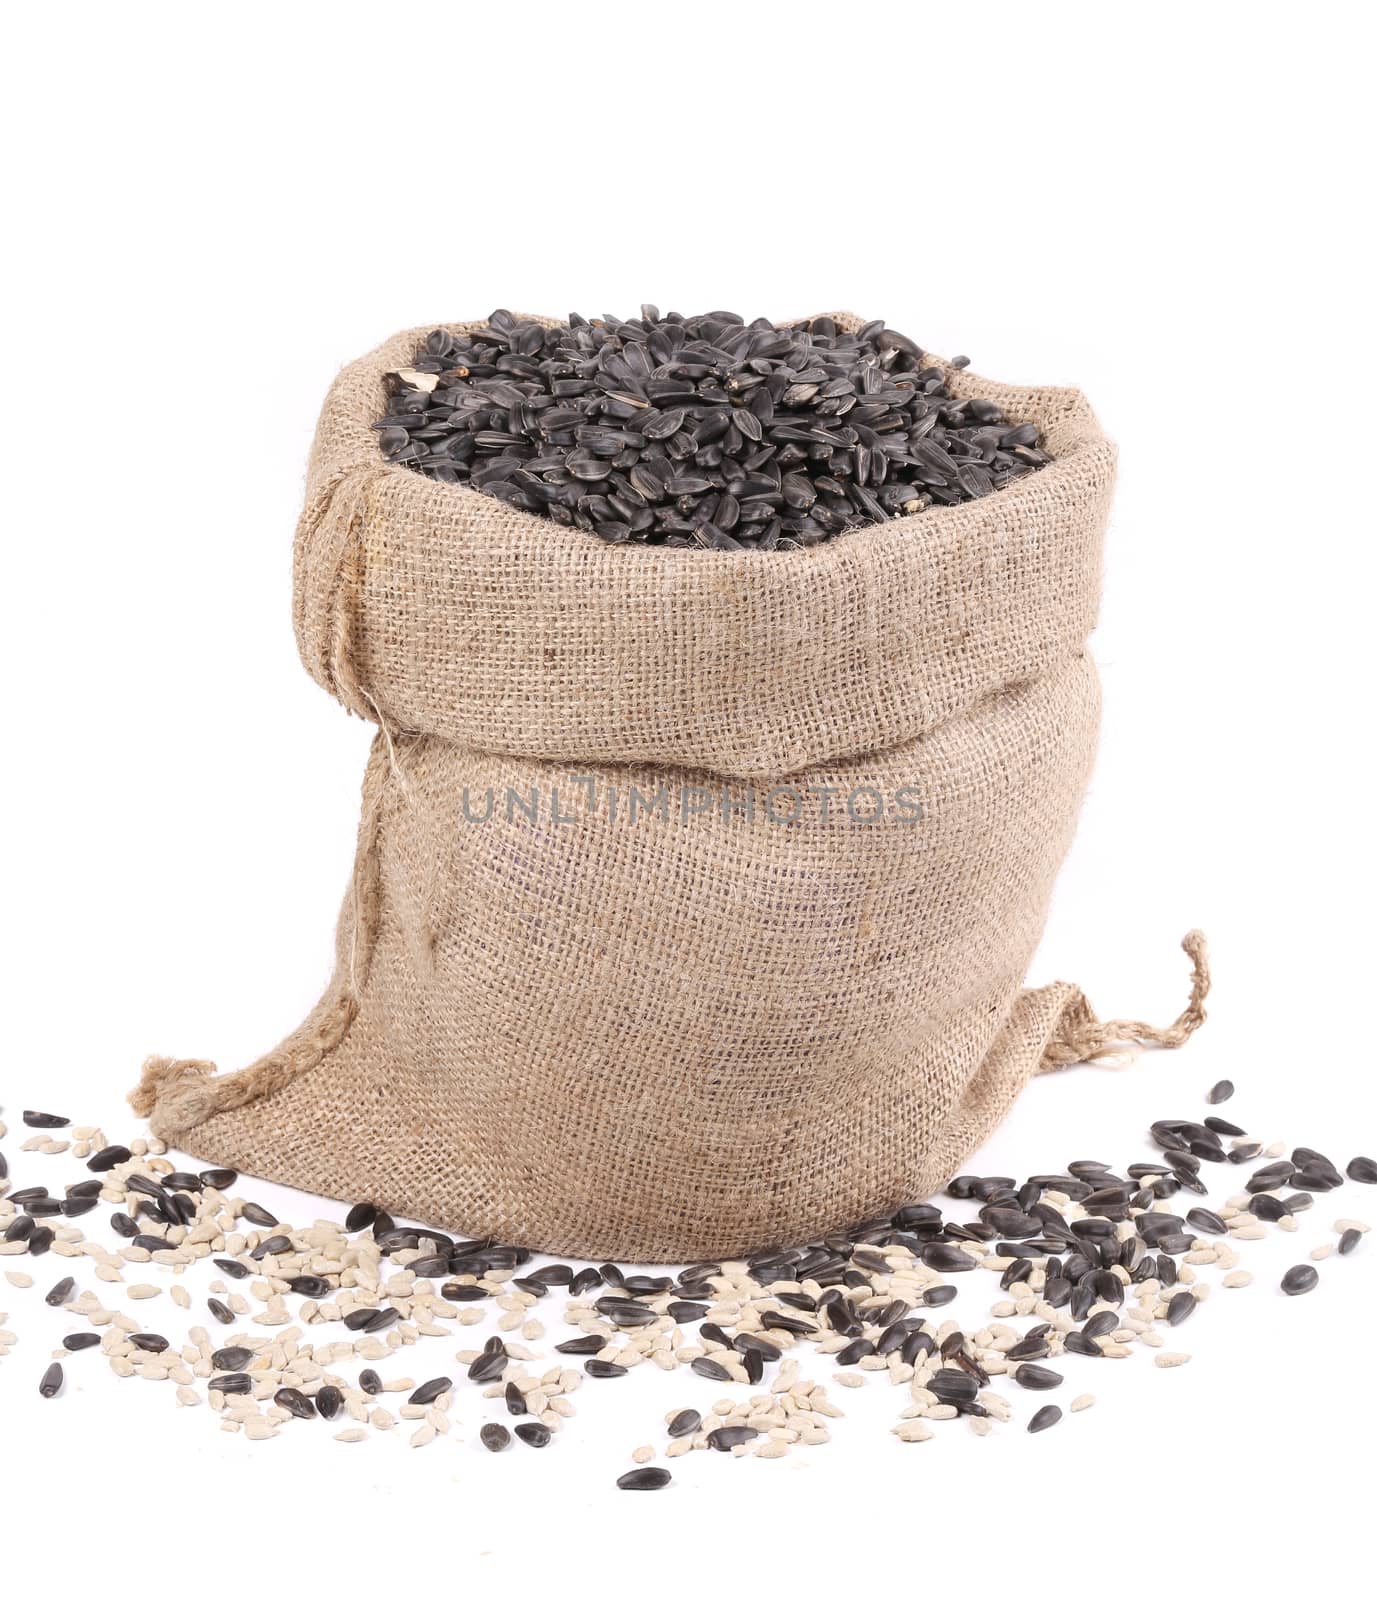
<point x="1081" y="1036"/>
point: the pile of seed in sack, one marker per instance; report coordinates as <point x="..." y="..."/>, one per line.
<point x="700" y="432"/>
<point x="313" y="1324"/>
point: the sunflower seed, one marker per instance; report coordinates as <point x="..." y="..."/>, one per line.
<point x="683" y="427"/>
<point x="293" y="1401"/>
<point x="1031" y="1376"/>
<point x="645" y="1478"/>
<point x="231" y="1383"/>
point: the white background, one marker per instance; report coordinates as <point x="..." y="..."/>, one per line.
<point x="212" y="209"/>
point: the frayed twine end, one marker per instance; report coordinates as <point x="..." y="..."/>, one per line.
<point x="173" y="1094"/>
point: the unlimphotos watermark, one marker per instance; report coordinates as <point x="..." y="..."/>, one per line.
<point x="785" y="804"/>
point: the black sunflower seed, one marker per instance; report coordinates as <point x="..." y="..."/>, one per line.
<point x="50" y="1384"/>
<point x="494" y="1436"/>
<point x="686" y="1310"/>
<point x="308" y="1284"/>
<point x="293" y="1401"/>
<point x="1047" y="1417"/>
<point x="1228" y="1129"/>
<point x="81" y="1341"/>
<point x="1080" y="1345"/>
<point x="219" y="1177"/>
<point x="251" y="1211"/>
<point x="1300" y="1279"/>
<point x="588" y="1345"/>
<point x="232" y="1383"/>
<point x="706" y="1367"/>
<point x="1222" y="1091"/>
<point x="625" y="1313"/>
<point x="219" y="1310"/>
<point x="729" y="1437"/>
<point x="1031" y="1376"/>
<point x="1275" y="1175"/>
<point x="60" y="1292"/>
<point x="698" y="432"/>
<point x="1204" y="1221"/>
<point x="154" y="1343"/>
<point x="645" y="1478"/>
<point x="535" y="1434"/>
<point x="329" y="1401"/>
<point x="361" y="1216"/>
<point x="230" y="1268"/>
<point x="606" y="1369"/>
<point x="683" y="1423"/>
<point x="1180" y="1306"/>
<point x="40" y="1240"/>
<point x="1349" y="1240"/>
<point x="1362" y="1169"/>
<point x="947" y="1258"/>
<point x="949" y="1384"/>
<point x="233" y="1358"/>
<point x="370" y="1382"/>
<point x="113" y="1155"/>
<point x="45" y="1119"/>
<point x="430" y="1390"/>
<point x="488" y="1365"/>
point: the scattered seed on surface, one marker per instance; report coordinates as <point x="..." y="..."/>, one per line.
<point x="1299" y="1280"/>
<point x="645" y="1478"/>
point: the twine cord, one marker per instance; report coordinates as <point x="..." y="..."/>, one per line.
<point x="1081" y="1036"/>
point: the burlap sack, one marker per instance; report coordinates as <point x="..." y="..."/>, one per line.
<point x="745" y="1010"/>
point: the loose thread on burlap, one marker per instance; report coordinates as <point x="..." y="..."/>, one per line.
<point x="1081" y="1036"/>
<point x="177" y="1094"/>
